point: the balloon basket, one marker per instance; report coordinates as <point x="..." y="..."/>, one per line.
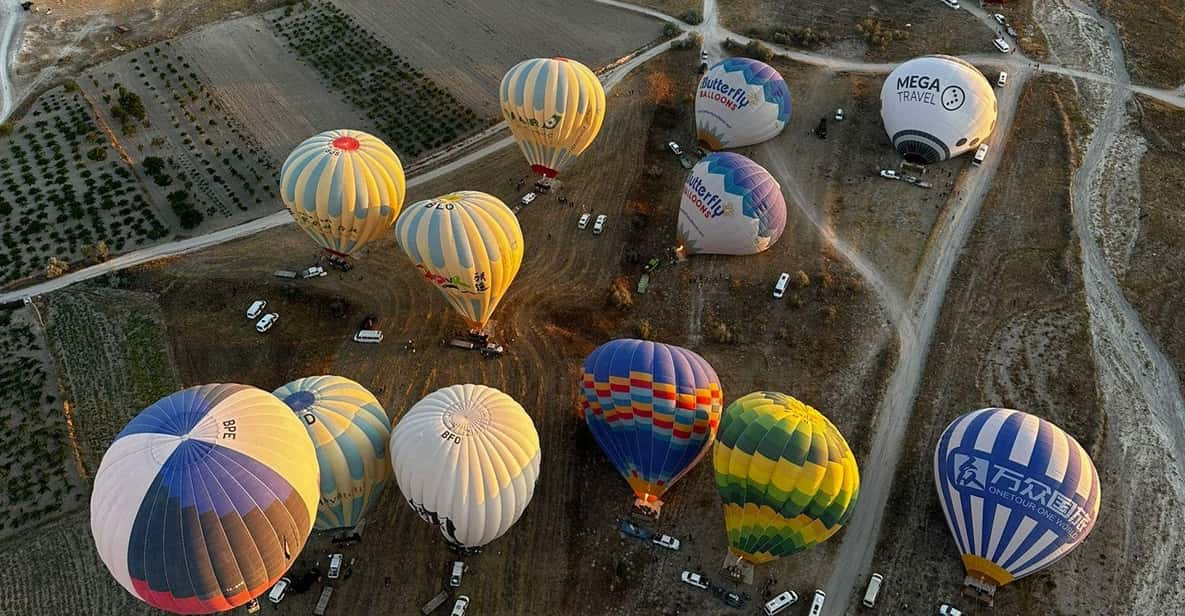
<point x="980" y="590"/>
<point x="648" y="509"/>
<point x="737" y="570"/>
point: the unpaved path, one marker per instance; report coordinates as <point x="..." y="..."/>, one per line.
<point x="10" y="22"/>
<point x="914" y="335"/>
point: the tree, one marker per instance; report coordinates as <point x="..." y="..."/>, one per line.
<point x="96" y="154"/>
<point x="5" y="129"/>
<point x="645" y="331"/>
<point x="153" y="165"/>
<point x="693" y="17"/>
<point x="56" y="267"/>
<point x="620" y="294"/>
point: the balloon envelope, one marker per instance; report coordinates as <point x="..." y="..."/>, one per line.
<point x="554" y="107"/>
<point x="730" y="206"/>
<point x="937" y="107"/>
<point x="466" y="458"/>
<point x="785" y="474"/>
<point x="349" y="430"/>
<point x="344" y="188"/>
<point x="1017" y="491"/>
<point x="740" y="102"/>
<point x="205" y="498"/>
<point x="653" y="408"/>
<point x="467" y="244"/>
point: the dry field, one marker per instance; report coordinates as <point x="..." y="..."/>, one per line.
<point x="556" y="313"/>
<point x="1013" y="333"/>
<point x="1153" y="33"/>
<point x="280" y="100"/>
<point x="914" y="27"/>
<point x="674" y="8"/>
<point x="468" y="45"/>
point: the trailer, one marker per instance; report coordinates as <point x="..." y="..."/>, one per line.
<point x="284" y="274"/>
<point x="463" y="344"/>
<point x="435" y="602"/>
<point x="323" y="601"/>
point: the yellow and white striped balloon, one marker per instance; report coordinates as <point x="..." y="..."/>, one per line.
<point x="555" y="107"/>
<point x="469" y="245"/>
<point x="344" y="188"/>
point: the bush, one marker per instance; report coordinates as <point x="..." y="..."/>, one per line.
<point x="670" y="30"/>
<point x="720" y="332"/>
<point x="693" y="17"/>
<point x="97" y="154"/>
<point x="801" y="280"/>
<point x="620" y="294"/>
<point x="644" y="330"/>
<point x="758" y="51"/>
<point x="5" y="129"/>
<point x="153" y="165"/>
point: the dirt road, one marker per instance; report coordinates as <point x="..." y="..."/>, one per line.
<point x="11" y="20"/>
<point x="914" y="334"/>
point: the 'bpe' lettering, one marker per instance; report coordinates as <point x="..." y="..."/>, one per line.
<point x="229" y="429"/>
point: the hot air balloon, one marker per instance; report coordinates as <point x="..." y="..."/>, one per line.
<point x="740" y="102"/>
<point x="785" y="474"/>
<point x="350" y="430"/>
<point x="466" y="458"/>
<point x="653" y="408"/>
<point x="344" y="188"/>
<point x="730" y="206"/>
<point x="1018" y="493"/>
<point x="467" y="244"/>
<point x="205" y="498"/>
<point x="937" y="107"/>
<point x="554" y="107"/>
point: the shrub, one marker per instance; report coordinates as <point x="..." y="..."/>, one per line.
<point x="758" y="51"/>
<point x="720" y="332"/>
<point x="644" y="330"/>
<point x="5" y="129"/>
<point x="620" y="295"/>
<point x="693" y="17"/>
<point x="97" y="154"/>
<point x="801" y="280"/>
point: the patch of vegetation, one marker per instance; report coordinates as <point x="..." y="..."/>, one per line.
<point x="753" y="49"/>
<point x="186" y="213"/>
<point x="692" y="17"/>
<point x="413" y="113"/>
<point x="878" y="33"/>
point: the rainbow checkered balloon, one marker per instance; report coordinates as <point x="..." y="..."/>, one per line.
<point x="785" y="474"/>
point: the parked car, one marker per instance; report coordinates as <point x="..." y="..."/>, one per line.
<point x="267" y="322"/>
<point x="780" y="603"/>
<point x="703" y="55"/>
<point x="651" y="265"/>
<point x="630" y="529"/>
<point x="528" y="198"/>
<point x="817" y="604"/>
<point x="667" y="541"/>
<point x="890" y="174"/>
<point x="839" y="115"/>
<point x="278" y="591"/>
<point x="674" y="148"/>
<point x="335" y="566"/>
<point x="694" y="579"/>
<point x="583" y="222"/>
<point x="1002" y="45"/>
<point x="780" y="285"/>
<point x="256" y="308"/>
<point x="1011" y="31"/>
<point x="730" y="598"/>
<point x="1000" y="19"/>
<point x="643" y="284"/>
<point x="599" y="225"/>
<point x="461" y="605"/>
<point x="949" y="610"/>
<point x="873" y="590"/>
<point x="1002" y="80"/>
<point x="954" y="4"/>
<point x="253" y="606"/>
<point x="454" y="578"/>
<point x="315" y="271"/>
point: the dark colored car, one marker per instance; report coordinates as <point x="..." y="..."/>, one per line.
<point x="633" y="530"/>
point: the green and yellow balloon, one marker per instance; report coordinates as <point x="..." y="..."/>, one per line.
<point x="785" y="474"/>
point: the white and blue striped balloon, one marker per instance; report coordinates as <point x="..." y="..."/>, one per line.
<point x="1017" y="491"/>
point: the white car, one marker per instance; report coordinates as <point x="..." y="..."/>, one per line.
<point x="279" y="590"/>
<point x="666" y="541"/>
<point x="267" y="322"/>
<point x="817" y="604"/>
<point x="674" y="148"/>
<point x="694" y="579"/>
<point x="1002" y="45"/>
<point x="954" y="4"/>
<point x="599" y="225"/>
<point x="583" y="223"/>
<point x="461" y="605"/>
<point x="528" y="198"/>
<point x="949" y="610"/>
<point x="780" y="285"/>
<point x="1000" y="19"/>
<point x="1002" y="80"/>
<point x="703" y="55"/>
<point x="315" y="271"/>
<point x="256" y="309"/>
<point x="780" y="603"/>
<point x="839" y="115"/>
<point x="335" y="566"/>
<point x="890" y="174"/>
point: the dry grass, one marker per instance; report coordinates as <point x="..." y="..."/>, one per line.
<point x="674" y="8"/>
<point x="1153" y="33"/>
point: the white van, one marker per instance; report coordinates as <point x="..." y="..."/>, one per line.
<point x="278" y="591"/>
<point x="780" y="602"/>
<point x="371" y="336"/>
<point x="335" y="566"/>
<point x="874" y="589"/>
<point x="980" y="155"/>
<point x="780" y="287"/>
<point x="817" y="604"/>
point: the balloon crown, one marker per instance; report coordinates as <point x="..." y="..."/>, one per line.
<point x="346" y="143"/>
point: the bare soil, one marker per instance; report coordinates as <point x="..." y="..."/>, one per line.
<point x="918" y="27"/>
<point x="1013" y="333"/>
<point x="1153" y="33"/>
<point x="674" y="8"/>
